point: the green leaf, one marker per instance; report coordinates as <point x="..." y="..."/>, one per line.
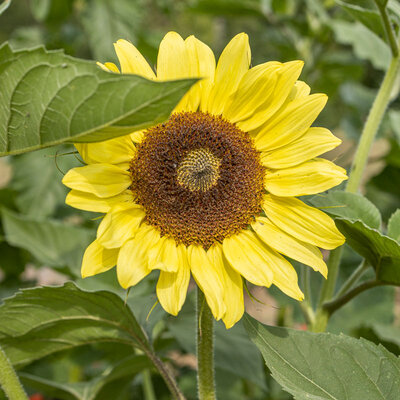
<point x="349" y="206"/>
<point x="394" y="226"/>
<point x="370" y="18"/>
<point x="37" y="180"/>
<point x="4" y="5"/>
<point x="326" y="367"/>
<point x="107" y="21"/>
<point x="53" y="243"/>
<point x="381" y="251"/>
<point x="40" y="321"/>
<point x="366" y="45"/>
<point x="127" y="368"/>
<point x="48" y="98"/>
<point x="40" y="8"/>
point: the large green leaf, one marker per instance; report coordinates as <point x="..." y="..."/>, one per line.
<point x="91" y="390"/>
<point x="40" y="321"/>
<point x="53" y="243"/>
<point x="366" y="45"/>
<point x="49" y="98"/>
<point x="325" y="366"/>
<point x="348" y="205"/>
<point x="382" y="252"/>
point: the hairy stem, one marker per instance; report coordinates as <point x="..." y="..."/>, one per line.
<point x="388" y="29"/>
<point x="9" y="381"/>
<point x="205" y="349"/>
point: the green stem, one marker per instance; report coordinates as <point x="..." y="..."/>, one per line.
<point x="331" y="306"/>
<point x="360" y="160"/>
<point x="371" y="126"/>
<point x="205" y="349"/>
<point x="9" y="381"/>
<point x="306" y="305"/>
<point x="388" y="29"/>
<point x="353" y="278"/>
<point x="165" y="374"/>
<point x="148" y="389"/>
<point x="328" y="288"/>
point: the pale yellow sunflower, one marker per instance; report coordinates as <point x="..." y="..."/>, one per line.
<point x="211" y="193"/>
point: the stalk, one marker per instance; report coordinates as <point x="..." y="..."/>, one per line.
<point x="205" y="350"/>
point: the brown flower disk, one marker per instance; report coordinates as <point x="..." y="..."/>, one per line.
<point x="198" y="177"/>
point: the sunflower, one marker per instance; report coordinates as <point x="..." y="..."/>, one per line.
<point x="212" y="192"/>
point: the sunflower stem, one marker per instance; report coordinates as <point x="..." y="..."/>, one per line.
<point x="9" y="381"/>
<point x="205" y="349"/>
<point x="148" y="389"/>
<point x="368" y="134"/>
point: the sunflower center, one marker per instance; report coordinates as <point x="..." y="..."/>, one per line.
<point x="198" y="178"/>
<point x="199" y="170"/>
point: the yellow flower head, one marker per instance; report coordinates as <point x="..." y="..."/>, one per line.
<point x="212" y="191"/>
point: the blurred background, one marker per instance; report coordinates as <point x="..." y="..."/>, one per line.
<point x="42" y="240"/>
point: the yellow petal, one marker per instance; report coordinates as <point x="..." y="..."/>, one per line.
<point x="103" y="180"/>
<point x="137" y="137"/>
<point x="255" y="90"/>
<point x="201" y="64"/>
<point x="286" y="244"/>
<point x="172" y="287"/>
<point x="114" y="151"/>
<point x="233" y="287"/>
<point x="164" y="255"/>
<point x="131" y="60"/>
<point x="108" y="67"/>
<point x="173" y="63"/>
<point x="245" y="253"/>
<point x="290" y="123"/>
<point x="90" y="202"/>
<point x="232" y="65"/>
<point x="314" y="142"/>
<point x="286" y="77"/>
<point x="132" y="264"/>
<point x="120" y="225"/>
<point x="311" y="177"/>
<point x="300" y="89"/>
<point x="209" y="279"/>
<point x="98" y="259"/>
<point x="302" y="221"/>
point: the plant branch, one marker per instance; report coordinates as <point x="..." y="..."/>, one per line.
<point x="168" y="378"/>
<point x="331" y="306"/>
<point x="353" y="278"/>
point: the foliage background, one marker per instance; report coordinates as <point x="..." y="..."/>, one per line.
<point x="42" y="240"/>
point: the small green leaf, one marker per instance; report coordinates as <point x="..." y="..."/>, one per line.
<point x="349" y="206"/>
<point x="4" y="5"/>
<point x="381" y="251"/>
<point x="366" y="45"/>
<point x="394" y="226"/>
<point x="127" y="368"/>
<point x="37" y="180"/>
<point x="370" y="18"/>
<point x="48" y="98"/>
<point x="40" y="321"/>
<point x="53" y="243"/>
<point x="326" y="367"/>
